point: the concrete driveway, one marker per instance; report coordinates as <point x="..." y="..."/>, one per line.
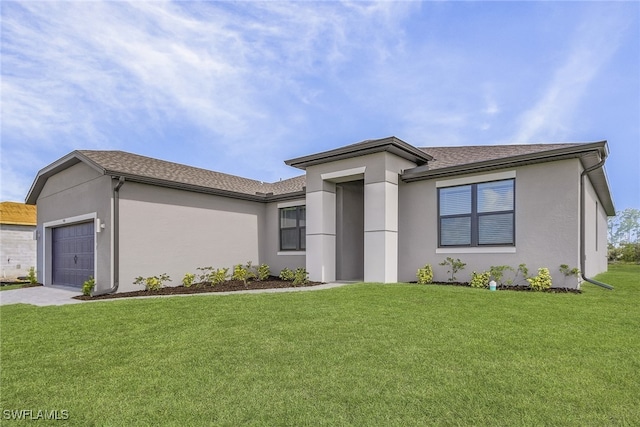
<point x="40" y="296"/>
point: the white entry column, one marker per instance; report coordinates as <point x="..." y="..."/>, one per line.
<point x="321" y="233"/>
<point x="381" y="229"/>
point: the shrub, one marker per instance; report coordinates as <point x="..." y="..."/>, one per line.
<point x="542" y="281"/>
<point x="218" y="276"/>
<point x="87" y="286"/>
<point x="631" y="252"/>
<point x="497" y="272"/>
<point x="152" y="283"/>
<point x="241" y="272"/>
<point x="188" y="279"/>
<point x="480" y="280"/>
<point x="205" y="276"/>
<point x="263" y="272"/>
<point x="300" y="277"/>
<point x="454" y="266"/>
<point x="575" y="272"/>
<point x="425" y="275"/>
<point x="31" y="277"/>
<point x="522" y="270"/>
<point x="287" y="274"/>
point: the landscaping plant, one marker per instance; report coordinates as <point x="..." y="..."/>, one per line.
<point x="575" y="272"/>
<point x="497" y="272"/>
<point x="218" y="276"/>
<point x="480" y="280"/>
<point x="425" y="275"/>
<point x="300" y="277"/>
<point x="263" y="272"/>
<point x="454" y="265"/>
<point x="87" y="286"/>
<point x="152" y="283"/>
<point x="188" y="279"/>
<point x="522" y="270"/>
<point x="287" y="274"/>
<point x="33" y="279"/>
<point x="242" y="272"/>
<point x="542" y="281"/>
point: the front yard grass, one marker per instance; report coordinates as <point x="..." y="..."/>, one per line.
<point x="364" y="354"/>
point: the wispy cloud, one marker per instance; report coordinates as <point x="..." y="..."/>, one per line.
<point x="552" y="118"/>
<point x="116" y="74"/>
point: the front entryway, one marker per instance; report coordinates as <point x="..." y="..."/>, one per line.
<point x="350" y="230"/>
<point x="72" y="254"/>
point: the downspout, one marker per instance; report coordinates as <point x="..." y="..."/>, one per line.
<point x="583" y="255"/>
<point x="116" y="241"/>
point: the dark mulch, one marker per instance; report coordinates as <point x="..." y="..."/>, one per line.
<point x="204" y="287"/>
<point x="521" y="288"/>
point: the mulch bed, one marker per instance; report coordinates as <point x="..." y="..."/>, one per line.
<point x="204" y="287"/>
<point x="521" y="288"/>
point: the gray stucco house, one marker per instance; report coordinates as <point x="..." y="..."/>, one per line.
<point x="376" y="211"/>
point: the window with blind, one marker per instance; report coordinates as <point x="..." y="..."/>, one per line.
<point x="293" y="228"/>
<point x="481" y="214"/>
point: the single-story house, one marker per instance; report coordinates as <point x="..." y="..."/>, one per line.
<point x="17" y="243"/>
<point x="375" y="211"/>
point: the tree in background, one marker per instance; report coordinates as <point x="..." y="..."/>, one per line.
<point x="624" y="236"/>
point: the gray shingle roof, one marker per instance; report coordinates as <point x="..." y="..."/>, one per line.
<point x="450" y="160"/>
<point x="134" y="165"/>
<point x="444" y="157"/>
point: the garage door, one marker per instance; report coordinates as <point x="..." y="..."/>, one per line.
<point x="72" y="261"/>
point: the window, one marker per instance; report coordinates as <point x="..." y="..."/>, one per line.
<point x="477" y="214"/>
<point x="293" y="228"/>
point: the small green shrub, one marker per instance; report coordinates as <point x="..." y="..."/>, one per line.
<point x="287" y="274"/>
<point x="205" y="276"/>
<point x="218" y="276"/>
<point x="521" y="271"/>
<point x="87" y="286"/>
<point x="542" y="281"/>
<point x="480" y="280"/>
<point x="263" y="272"/>
<point x="498" y="273"/>
<point x="567" y="271"/>
<point x="31" y="277"/>
<point x="188" y="280"/>
<point x="454" y="265"/>
<point x="425" y="275"/>
<point x="242" y="272"/>
<point x="152" y="283"/>
<point x="300" y="277"/>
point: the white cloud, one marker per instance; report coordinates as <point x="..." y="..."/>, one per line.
<point x="551" y="118"/>
<point x="117" y="74"/>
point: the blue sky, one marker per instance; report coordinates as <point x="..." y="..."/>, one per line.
<point x="241" y="87"/>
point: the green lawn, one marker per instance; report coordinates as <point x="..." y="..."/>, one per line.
<point x="10" y="287"/>
<point x="361" y="355"/>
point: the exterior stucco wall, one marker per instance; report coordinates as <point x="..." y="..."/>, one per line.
<point x="278" y="260"/>
<point x="595" y="233"/>
<point x="17" y="250"/>
<point x="547" y="225"/>
<point x="380" y="172"/>
<point x="171" y="231"/>
<point x="76" y="191"/>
